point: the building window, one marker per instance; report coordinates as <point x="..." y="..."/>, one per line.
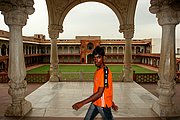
<point x="90" y="46"/>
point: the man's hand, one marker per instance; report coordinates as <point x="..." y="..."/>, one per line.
<point x="114" y="107"/>
<point x="77" y="105"/>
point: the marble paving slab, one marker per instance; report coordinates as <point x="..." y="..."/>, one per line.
<point x="54" y="99"/>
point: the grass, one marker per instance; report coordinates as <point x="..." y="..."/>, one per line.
<point x="39" y="70"/>
<point x="86" y="68"/>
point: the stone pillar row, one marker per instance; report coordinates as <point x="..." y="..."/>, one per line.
<point x="15" y="17"/>
<point x="167" y="19"/>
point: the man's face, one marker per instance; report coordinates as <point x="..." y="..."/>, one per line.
<point x="98" y="60"/>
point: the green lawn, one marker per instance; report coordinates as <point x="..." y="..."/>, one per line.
<point x="86" y="68"/>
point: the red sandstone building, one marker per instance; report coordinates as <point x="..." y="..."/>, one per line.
<point x="78" y="50"/>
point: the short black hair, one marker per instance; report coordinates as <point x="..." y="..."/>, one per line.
<point x="98" y="51"/>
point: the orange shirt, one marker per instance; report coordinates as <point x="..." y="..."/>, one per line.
<point x="106" y="99"/>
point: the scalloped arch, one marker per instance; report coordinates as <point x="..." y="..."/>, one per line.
<point x="75" y="3"/>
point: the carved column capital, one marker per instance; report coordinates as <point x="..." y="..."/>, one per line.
<point x="54" y="31"/>
<point x="16" y="11"/>
<point x="165" y="11"/>
<point x="128" y="30"/>
<point x="16" y="17"/>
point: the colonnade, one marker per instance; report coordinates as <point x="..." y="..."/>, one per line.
<point x="154" y="62"/>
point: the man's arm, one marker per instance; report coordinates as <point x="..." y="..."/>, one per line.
<point x="92" y="98"/>
<point x="114" y="107"/>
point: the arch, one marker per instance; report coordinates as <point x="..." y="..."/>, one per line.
<point x="77" y="50"/>
<point x="114" y="50"/>
<point x="60" y="51"/>
<point x="123" y="9"/>
<point x="71" y="50"/>
<point x="89" y="59"/>
<point x="138" y="49"/>
<point x="121" y="50"/>
<point x="65" y="49"/>
<point x="3" y="50"/>
<point x="109" y="50"/>
<point x="90" y="46"/>
<point x="75" y="3"/>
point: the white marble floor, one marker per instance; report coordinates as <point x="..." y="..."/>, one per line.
<point x="54" y="99"/>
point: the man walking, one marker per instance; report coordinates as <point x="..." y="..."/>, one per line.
<point x="102" y="97"/>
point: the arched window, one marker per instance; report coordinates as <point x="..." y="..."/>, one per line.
<point x="114" y="50"/>
<point x="90" y="46"/>
<point x="77" y="50"/>
<point x="109" y="50"/>
<point x="120" y="49"/>
<point x="71" y="50"/>
<point x="3" y="50"/>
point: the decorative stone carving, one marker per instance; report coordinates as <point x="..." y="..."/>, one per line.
<point x="126" y="28"/>
<point x="60" y="5"/>
<point x="4" y="6"/>
<point x="122" y="5"/>
<point x="16" y="17"/>
<point x="166" y="11"/>
<point x="168" y="19"/>
<point x="26" y="5"/>
<point x="54" y="31"/>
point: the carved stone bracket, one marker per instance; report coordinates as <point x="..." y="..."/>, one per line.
<point x="164" y="11"/>
<point x="54" y="31"/>
<point x="128" y="30"/>
<point x="11" y="5"/>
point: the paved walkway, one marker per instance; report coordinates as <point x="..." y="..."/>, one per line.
<point x="52" y="101"/>
<point x="133" y="100"/>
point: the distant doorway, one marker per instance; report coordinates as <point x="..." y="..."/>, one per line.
<point x="90" y="59"/>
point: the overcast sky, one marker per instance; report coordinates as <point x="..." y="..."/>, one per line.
<point x="92" y="18"/>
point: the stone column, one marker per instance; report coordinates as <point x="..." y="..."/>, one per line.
<point x="0" y="52"/>
<point x="127" y="70"/>
<point x="6" y="52"/>
<point x="168" y="19"/>
<point x="15" y="16"/>
<point x="54" y="31"/>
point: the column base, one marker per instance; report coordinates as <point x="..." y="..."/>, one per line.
<point x="127" y="74"/>
<point x="165" y="111"/>
<point x="126" y="77"/>
<point x="19" y="110"/>
<point x="54" y="78"/>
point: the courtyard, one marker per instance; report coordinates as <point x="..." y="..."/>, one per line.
<point x="53" y="100"/>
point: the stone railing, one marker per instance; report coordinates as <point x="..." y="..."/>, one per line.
<point x="37" y="78"/>
<point x="31" y="78"/>
<point x="145" y="77"/>
<point x="150" y="77"/>
<point x="86" y="77"/>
